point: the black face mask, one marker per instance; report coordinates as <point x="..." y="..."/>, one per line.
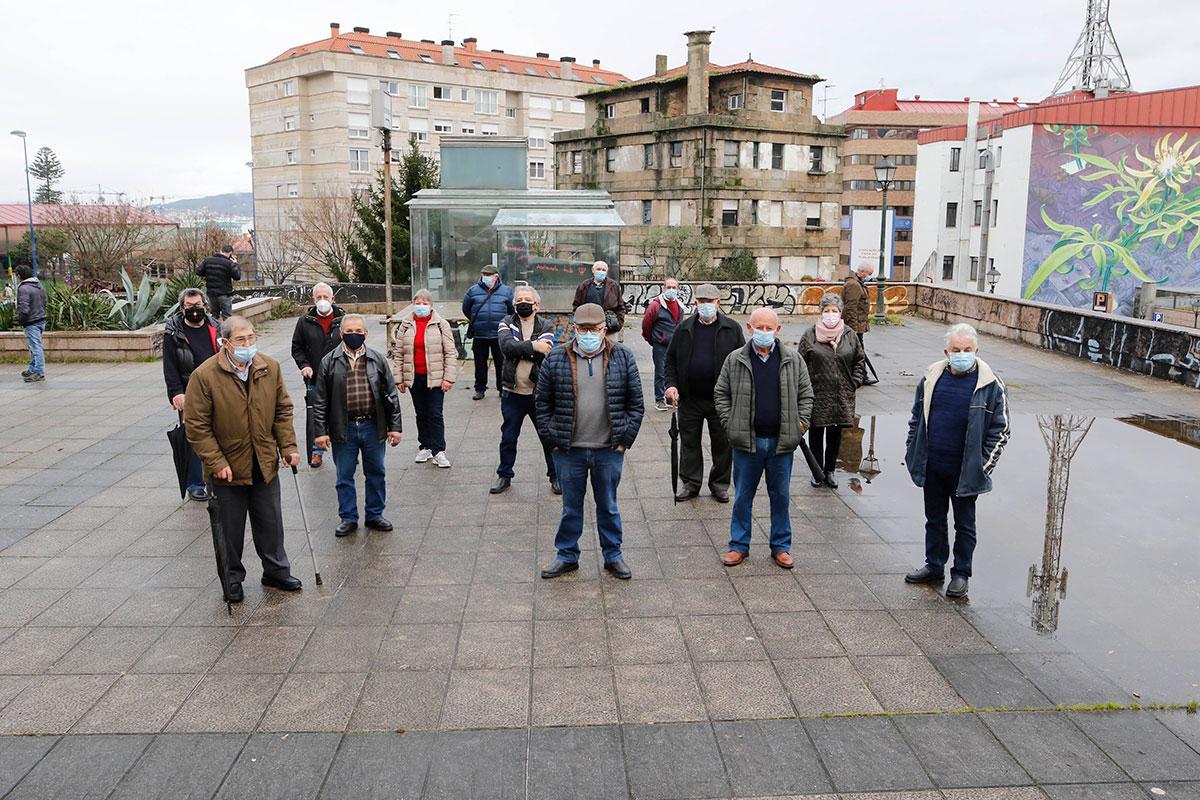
<point x="193" y="314"/>
<point x="354" y="340"/>
<point x="524" y="309"/>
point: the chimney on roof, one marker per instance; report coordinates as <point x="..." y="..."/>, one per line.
<point x="916" y="97"/>
<point x="568" y="68"/>
<point x="395" y="35"/>
<point x="1016" y="99"/>
<point x="494" y="50"/>
<point x="428" y="41"/>
<point x="448" y="51"/>
<point x="660" y="65"/>
<point x="362" y="30"/>
<point x="470" y="43"/>
<point x="596" y="63"/>
<point x="334" y="29"/>
<point x="697" y="71"/>
<point x="966" y="99"/>
<point x="543" y="55"/>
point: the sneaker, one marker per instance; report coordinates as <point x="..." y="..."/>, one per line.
<point x="661" y="405"/>
<point x="440" y="460"/>
<point x="34" y="377"/>
<point x="423" y="456"/>
<point x="25" y="373"/>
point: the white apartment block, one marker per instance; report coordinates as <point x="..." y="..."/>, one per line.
<point x="310" y="112"/>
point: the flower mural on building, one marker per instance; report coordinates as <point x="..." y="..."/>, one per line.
<point x="1154" y="208"/>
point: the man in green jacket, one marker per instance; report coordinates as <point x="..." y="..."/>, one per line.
<point x="764" y="399"/>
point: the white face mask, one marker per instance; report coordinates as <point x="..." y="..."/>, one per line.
<point x="324" y="307"/>
<point x="831" y="319"/>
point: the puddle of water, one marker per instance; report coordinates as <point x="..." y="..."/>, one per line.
<point x="1119" y="587"/>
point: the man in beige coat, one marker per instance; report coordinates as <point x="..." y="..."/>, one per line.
<point x="425" y="360"/>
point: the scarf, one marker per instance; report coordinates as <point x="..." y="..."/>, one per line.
<point x="832" y="336"/>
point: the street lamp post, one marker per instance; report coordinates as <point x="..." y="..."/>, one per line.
<point x="993" y="276"/>
<point x="253" y="221"/>
<point x="29" y="202"/>
<point x="885" y="174"/>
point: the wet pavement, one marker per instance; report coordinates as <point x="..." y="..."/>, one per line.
<point x="433" y="662"/>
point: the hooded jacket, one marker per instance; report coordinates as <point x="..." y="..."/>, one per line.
<point x="987" y="429"/>
<point x="554" y="397"/>
<point x="31" y="301"/>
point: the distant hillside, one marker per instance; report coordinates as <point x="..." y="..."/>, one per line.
<point x="233" y="204"/>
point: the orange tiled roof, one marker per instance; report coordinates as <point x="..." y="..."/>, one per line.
<point x="17" y="214"/>
<point x="408" y="50"/>
<point x="679" y="73"/>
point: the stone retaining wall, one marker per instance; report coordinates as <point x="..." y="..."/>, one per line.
<point x="88" y="345"/>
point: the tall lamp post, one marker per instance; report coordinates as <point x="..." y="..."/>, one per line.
<point x="253" y="221"/>
<point x="29" y="201"/>
<point x="885" y="174"/>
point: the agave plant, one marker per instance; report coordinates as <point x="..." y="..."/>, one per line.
<point x="137" y="310"/>
<point x="73" y="308"/>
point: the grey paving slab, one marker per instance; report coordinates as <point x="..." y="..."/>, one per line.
<point x="570" y="643"/>
<point x="1141" y="745"/>
<point x="1095" y="791"/>
<point x="343" y="648"/>
<point x="673" y="762"/>
<point x="180" y="767"/>
<point x="495" y="645"/>
<point x="576" y="764"/>
<point x="395" y="701"/>
<point x="826" y="686"/>
<point x="1052" y="749"/>
<point x="18" y="755"/>
<point x="941" y="633"/>
<point x="138" y="704"/>
<point x="770" y="757"/>
<point x="487" y="698"/>
<point x="573" y="696"/>
<point x="1183" y="724"/>
<point x="652" y="693"/>
<point x="743" y="690"/>
<point x="1065" y="678"/>
<point x="1184" y="790"/>
<point x="380" y="766"/>
<point x="907" y="683"/>
<point x="866" y="754"/>
<point x="477" y="765"/>
<point x="274" y="766"/>
<point x="727" y="637"/>
<point x="53" y="703"/>
<point x="990" y="681"/>
<point x="81" y="768"/>
<point x="208" y="710"/>
<point x="321" y="701"/>
<point x="424" y="646"/>
<point x="105" y="650"/>
<point x="264" y="649"/>
<point x="646" y="640"/>
<point x="959" y="752"/>
<point x="870" y="633"/>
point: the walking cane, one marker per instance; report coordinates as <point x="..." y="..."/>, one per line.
<point x="307" y="532"/>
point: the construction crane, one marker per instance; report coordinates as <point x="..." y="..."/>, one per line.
<point x="1095" y="64"/>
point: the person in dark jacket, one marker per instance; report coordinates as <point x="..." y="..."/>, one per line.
<point x="662" y="317"/>
<point x="31" y="313"/>
<point x="357" y="410"/>
<point x="189" y="339"/>
<point x="589" y="408"/>
<point x="958" y="429"/>
<point x="220" y="271"/>
<point x="485" y="305"/>
<point x="317" y="333"/>
<point x="606" y="293"/>
<point x="856" y="311"/>
<point x="837" y="366"/>
<point x="525" y="340"/>
<point x="699" y="348"/>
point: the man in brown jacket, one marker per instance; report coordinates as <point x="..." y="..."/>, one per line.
<point x="606" y="293"/>
<point x="857" y="309"/>
<point x="238" y="418"/>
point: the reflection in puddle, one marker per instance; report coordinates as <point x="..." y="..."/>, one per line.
<point x="1181" y="429"/>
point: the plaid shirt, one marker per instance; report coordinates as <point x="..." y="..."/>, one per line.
<point x="359" y="400"/>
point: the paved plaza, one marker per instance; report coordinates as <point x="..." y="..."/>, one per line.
<point x="434" y="663"/>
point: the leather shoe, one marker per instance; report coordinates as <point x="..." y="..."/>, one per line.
<point x="345" y="528"/>
<point x="199" y="494"/>
<point x="315" y="461"/>
<point x="829" y="481"/>
<point x="957" y="587"/>
<point x="618" y="569"/>
<point x="720" y="495"/>
<point x="555" y="486"/>
<point x="924" y="575"/>
<point x="380" y="524"/>
<point x="501" y="485"/>
<point x="733" y="558"/>
<point x="478" y="395"/>
<point x="686" y="494"/>
<point x="783" y="559"/>
<point x="285" y="582"/>
<point x="235" y="594"/>
<point x="816" y="483"/>
<point x="559" y="568"/>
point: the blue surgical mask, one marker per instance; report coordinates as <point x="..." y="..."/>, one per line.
<point x="589" y="341"/>
<point x="599" y="276"/>
<point x="670" y="294"/>
<point x="707" y="310"/>
<point x="489" y="280"/>
<point x="422" y="311"/>
<point x="962" y="362"/>
<point x="763" y="339"/>
<point x="245" y="354"/>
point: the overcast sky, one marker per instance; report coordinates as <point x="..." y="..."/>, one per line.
<point x="149" y="98"/>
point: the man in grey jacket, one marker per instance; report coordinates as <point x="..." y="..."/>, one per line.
<point x="764" y="399"/>
<point x="31" y="313"/>
<point x="958" y="429"/>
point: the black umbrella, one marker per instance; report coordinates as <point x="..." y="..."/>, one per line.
<point x="181" y="454"/>
<point x="818" y="470"/>
<point x="674" y="434"/>
<point x="218" y="534"/>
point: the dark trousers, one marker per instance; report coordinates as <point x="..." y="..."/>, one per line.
<point x="222" y="305"/>
<point x="482" y="347"/>
<point x="825" y="442"/>
<point x="693" y="413"/>
<point x="362" y="437"/>
<point x="574" y="466"/>
<point x="659" y="352"/>
<point x="259" y="500"/>
<point x="514" y="408"/>
<point x="427" y="407"/>
<point x="862" y="337"/>
<point x="940" y="487"/>
<point x="310" y="433"/>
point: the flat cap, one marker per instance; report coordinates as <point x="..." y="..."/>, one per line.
<point x="488" y="269"/>
<point x="706" y="291"/>
<point x="589" y="314"/>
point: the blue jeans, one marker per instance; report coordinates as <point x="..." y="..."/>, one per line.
<point x="660" y="371"/>
<point x="361" y="437"/>
<point x="939" y="489"/>
<point x="748" y="469"/>
<point x="573" y="466"/>
<point x="514" y="408"/>
<point x="37" y="356"/>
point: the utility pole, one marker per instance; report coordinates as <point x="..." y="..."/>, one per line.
<point x="387" y="218"/>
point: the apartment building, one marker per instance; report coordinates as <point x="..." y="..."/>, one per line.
<point x="880" y="125"/>
<point x="310" y="112"/>
<point x="732" y="150"/>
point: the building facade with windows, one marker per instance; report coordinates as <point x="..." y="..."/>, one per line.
<point x="311" y="130"/>
<point x="880" y="125"/>
<point x="733" y="151"/>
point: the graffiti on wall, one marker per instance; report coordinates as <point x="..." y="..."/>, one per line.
<point x="1110" y="209"/>
<point x="1155" y="351"/>
<point x="743" y="298"/>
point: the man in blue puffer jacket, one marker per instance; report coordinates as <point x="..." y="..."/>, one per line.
<point x="588" y="407"/>
<point x="485" y="305"/>
<point x="958" y="429"/>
